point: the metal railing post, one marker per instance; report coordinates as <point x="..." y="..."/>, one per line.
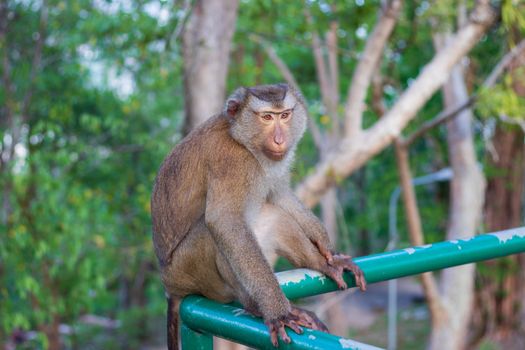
<point x="233" y="323"/>
<point x="195" y="340"/>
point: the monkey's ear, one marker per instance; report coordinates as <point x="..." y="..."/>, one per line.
<point x="234" y="102"/>
<point x="232" y="107"/>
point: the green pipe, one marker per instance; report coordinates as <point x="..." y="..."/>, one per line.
<point x="230" y="322"/>
<point x="195" y="340"/>
<point x="302" y="283"/>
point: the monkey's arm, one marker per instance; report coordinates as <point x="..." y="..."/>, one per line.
<point x="285" y="199"/>
<point x="334" y="263"/>
<point x="225" y="218"/>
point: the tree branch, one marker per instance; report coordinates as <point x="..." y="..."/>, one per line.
<point x="355" y="102"/>
<point x="321" y="68"/>
<point x="177" y="31"/>
<point x="503" y="64"/>
<point x="442" y="117"/>
<point x="354" y="151"/>
<point x="333" y="67"/>
<point x="450" y="113"/>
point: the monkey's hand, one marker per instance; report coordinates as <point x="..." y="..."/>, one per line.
<point x="276" y="327"/>
<point x="343" y="263"/>
<point x="309" y="319"/>
<point x="337" y="264"/>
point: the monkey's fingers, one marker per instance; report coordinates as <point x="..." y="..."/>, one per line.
<point x="277" y="328"/>
<point x="359" y="276"/>
<point x="336" y="273"/>
<point x="324" y="251"/>
<point x="349" y="265"/>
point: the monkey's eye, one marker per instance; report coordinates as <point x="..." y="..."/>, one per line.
<point x="267" y="117"/>
<point x="285" y="115"/>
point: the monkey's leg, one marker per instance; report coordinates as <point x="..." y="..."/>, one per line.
<point x="276" y="327"/>
<point x="192" y="270"/>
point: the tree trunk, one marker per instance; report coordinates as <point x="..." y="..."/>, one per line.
<point x="499" y="298"/>
<point x="467" y="193"/>
<point x="506" y="185"/>
<point x="499" y="312"/>
<point x="207" y="40"/>
<point x="415" y="230"/>
<point x="363" y="234"/>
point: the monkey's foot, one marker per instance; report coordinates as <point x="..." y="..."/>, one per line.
<point x="341" y="263"/>
<point x="276" y="327"/>
<point x="309" y="319"/>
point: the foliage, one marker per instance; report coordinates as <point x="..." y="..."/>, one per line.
<point x="504" y="99"/>
<point x="80" y="228"/>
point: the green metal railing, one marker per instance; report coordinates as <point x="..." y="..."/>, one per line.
<point x="203" y="318"/>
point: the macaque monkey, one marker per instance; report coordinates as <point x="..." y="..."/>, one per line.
<point x="223" y="211"/>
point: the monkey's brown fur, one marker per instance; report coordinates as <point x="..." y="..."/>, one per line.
<point x="222" y="210"/>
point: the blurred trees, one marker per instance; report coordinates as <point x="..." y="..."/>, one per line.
<point x="92" y="98"/>
<point x="79" y="155"/>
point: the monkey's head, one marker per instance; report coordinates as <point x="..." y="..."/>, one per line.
<point x="269" y="119"/>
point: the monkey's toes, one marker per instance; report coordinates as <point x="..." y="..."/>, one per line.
<point x="273" y="328"/>
<point x="277" y="328"/>
<point x="309" y="319"/>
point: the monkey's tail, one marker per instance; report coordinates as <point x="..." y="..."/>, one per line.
<point x="173" y="323"/>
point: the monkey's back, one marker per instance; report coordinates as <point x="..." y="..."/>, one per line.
<point x="179" y="194"/>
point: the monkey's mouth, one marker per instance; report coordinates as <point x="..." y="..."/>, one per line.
<point x="275" y="155"/>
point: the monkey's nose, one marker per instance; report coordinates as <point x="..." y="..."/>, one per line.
<point x="278" y="136"/>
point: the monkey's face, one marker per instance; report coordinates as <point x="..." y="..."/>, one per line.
<point x="274" y="124"/>
<point x="268" y="119"/>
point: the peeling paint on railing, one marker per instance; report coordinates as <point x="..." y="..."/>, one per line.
<point x="504" y="236"/>
<point x="411" y="261"/>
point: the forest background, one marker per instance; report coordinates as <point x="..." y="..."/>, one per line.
<point x="94" y="94"/>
